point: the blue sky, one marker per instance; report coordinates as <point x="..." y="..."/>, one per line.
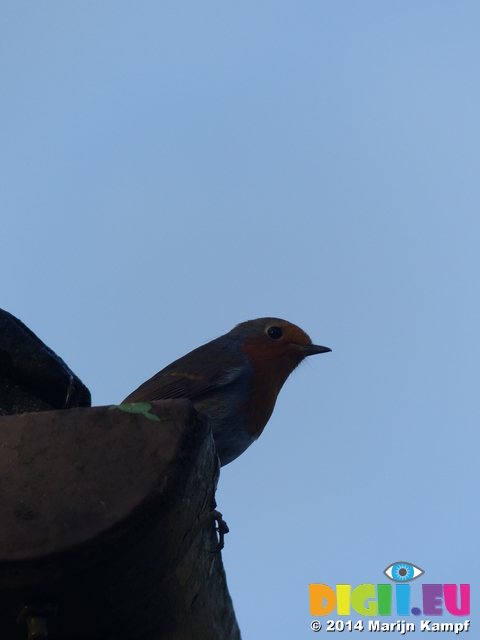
<point x="168" y="170"/>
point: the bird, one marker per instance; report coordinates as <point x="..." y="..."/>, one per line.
<point x="235" y="378"/>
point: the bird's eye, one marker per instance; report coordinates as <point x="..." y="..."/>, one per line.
<point x="275" y="333"/>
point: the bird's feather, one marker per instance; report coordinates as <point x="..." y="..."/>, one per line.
<point x="192" y="376"/>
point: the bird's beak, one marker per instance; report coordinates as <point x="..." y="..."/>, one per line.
<point x="312" y="349"/>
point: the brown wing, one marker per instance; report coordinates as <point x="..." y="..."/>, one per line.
<point x="196" y="373"/>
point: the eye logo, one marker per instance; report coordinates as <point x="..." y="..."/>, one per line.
<point x="403" y="572"/>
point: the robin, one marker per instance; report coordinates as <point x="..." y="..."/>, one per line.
<point x="235" y="379"/>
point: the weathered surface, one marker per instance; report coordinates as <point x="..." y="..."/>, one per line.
<point x="107" y="516"/>
<point x="32" y="376"/>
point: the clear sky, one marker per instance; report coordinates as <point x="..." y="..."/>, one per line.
<point x="169" y="169"/>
